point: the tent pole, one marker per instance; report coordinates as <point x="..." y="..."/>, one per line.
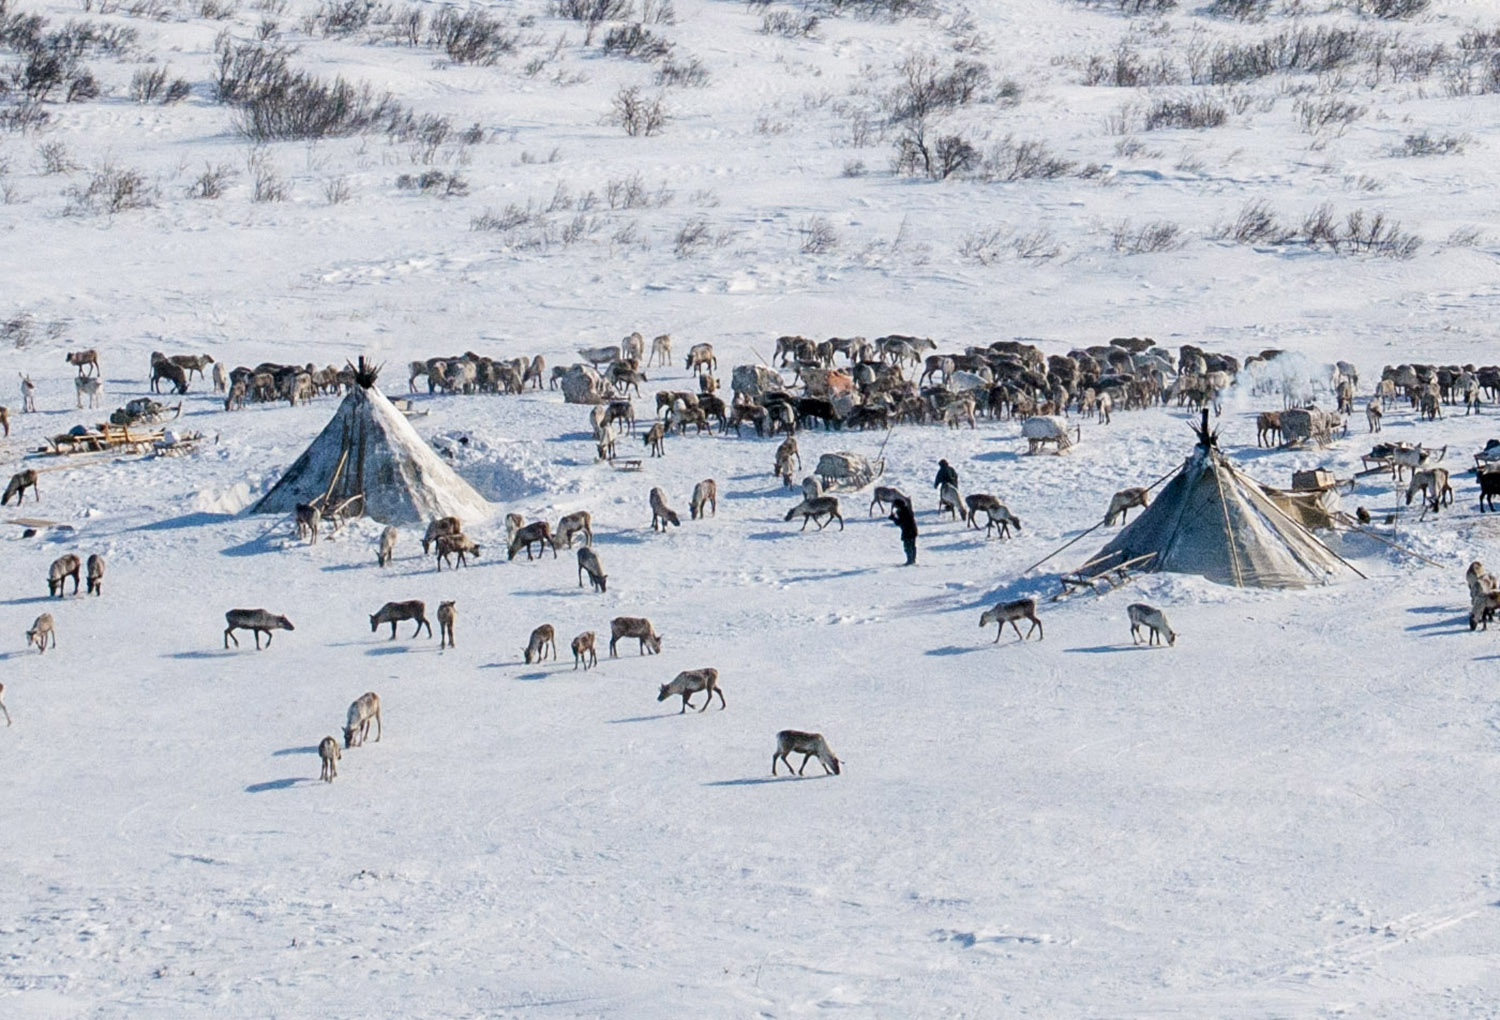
<point x="1234" y="555"/>
<point x="1315" y="539"/>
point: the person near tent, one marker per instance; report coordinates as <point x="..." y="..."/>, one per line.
<point x="907" y="522"/>
<point x="947" y="475"/>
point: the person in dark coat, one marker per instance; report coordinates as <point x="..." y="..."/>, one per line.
<point x="907" y="522"/>
<point x="947" y="474"/>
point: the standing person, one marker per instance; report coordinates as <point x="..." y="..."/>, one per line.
<point x="907" y="522"/>
<point x="947" y="474"/>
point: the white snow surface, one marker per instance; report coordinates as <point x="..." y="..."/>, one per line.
<point x="1289" y="813"/>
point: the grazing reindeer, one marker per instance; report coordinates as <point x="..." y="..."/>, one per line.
<point x="536" y="648"/>
<point x="949" y="500"/>
<point x="439" y="527"/>
<point x="329" y="753"/>
<point x="806" y="744"/>
<point x="394" y="612"/>
<point x="997" y="515"/>
<point x="2" y="704"/>
<point x="1010" y="612"/>
<point x="257" y="620"/>
<point x="661" y="513"/>
<point x="579" y="521"/>
<point x="95" y="574"/>
<point x="1155" y="622"/>
<point x="636" y="627"/>
<point x="308" y="518"/>
<point x="538" y="533"/>
<point x="1123" y="501"/>
<point x="364" y="708"/>
<point x="588" y="563"/>
<point x="820" y="510"/>
<point x="783" y="470"/>
<point x="705" y="493"/>
<point x="460" y="545"/>
<point x="513" y="524"/>
<point x="40" y="631"/>
<point x="1433" y="483"/>
<point x="584" y="652"/>
<point x="65" y="566"/>
<point x="690" y="682"/>
<point x="885" y="494"/>
<point x="655" y="438"/>
<point x="19" y="483"/>
<point x="89" y="387"/>
<point x="84" y="359"/>
<point x="387" y="546"/>
<point x="446" y="615"/>
<point x="28" y="395"/>
<point x="788" y="448"/>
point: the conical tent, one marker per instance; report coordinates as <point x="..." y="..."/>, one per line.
<point x="369" y="449"/>
<point x="1213" y="520"/>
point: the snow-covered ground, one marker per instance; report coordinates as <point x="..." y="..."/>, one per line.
<point x="1289" y="813"/>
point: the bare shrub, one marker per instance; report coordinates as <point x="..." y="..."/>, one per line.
<point x="1465" y="237"/>
<point x="953" y="155"/>
<point x="819" y="236"/>
<point x="691" y="238"/>
<point x="55" y="158"/>
<point x="211" y="182"/>
<point x="926" y="88"/>
<point x="471" y="37"/>
<point x="507" y="219"/>
<point x="110" y="189"/>
<point x="592" y="13"/>
<point x="303" y="107"/>
<point x="216" y="10"/>
<point x="243" y="70"/>
<point x="1126" y="68"/>
<point x="639" y="115"/>
<point x="1018" y="160"/>
<point x="788" y="24"/>
<point x="337" y="190"/>
<point x="627" y="193"/>
<point x="690" y="73"/>
<point x="1255" y="224"/>
<point x="1354" y="233"/>
<point x="147" y="84"/>
<point x="340" y="17"/>
<point x="1427" y="144"/>
<point x="854" y="168"/>
<point x="1149" y="238"/>
<point x="436" y="182"/>
<point x="1307" y="49"/>
<point x="1240" y="10"/>
<point x="635" y="41"/>
<point x="1330" y="115"/>
<point x="23" y="117"/>
<point x="1200" y="112"/>
<point x="1378" y="235"/>
<point x="1390" y="9"/>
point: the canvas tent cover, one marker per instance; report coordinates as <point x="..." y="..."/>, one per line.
<point x="370" y="449"/>
<point x="1212" y="520"/>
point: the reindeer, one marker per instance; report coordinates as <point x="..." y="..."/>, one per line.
<point x="997" y="515"/>
<point x="387" y="546"/>
<point x="65" y="566"/>
<point x="538" y="533"/>
<point x="5" y="420"/>
<point x="1155" y="622"/>
<point x="661" y="350"/>
<point x="446" y="615"/>
<point x="163" y="368"/>
<point x="513" y="524"/>
<point x="40" y="631"/>
<point x="690" y="682"/>
<point x="806" y="744"/>
<point x="221" y="378"/>
<point x="661" y="513"/>
<point x="84" y="359"/>
<point x="1411" y="458"/>
<point x="636" y="627"/>
<point x="95" y="574"/>
<point x="357" y="725"/>
<point x="329" y="754"/>
<point x="1010" y="612"/>
<point x="441" y="526"/>
<point x="786" y="450"/>
<point x="655" y="438"/>
<point x="308" y="518"/>
<point x="2" y="701"/>
<point x="394" y="612"/>
<point x="702" y="356"/>
<point x="88" y="386"/>
<point x="536" y="648"/>
<point x="1268" y="428"/>
<point x="257" y="620"/>
<point x="588" y="563"/>
<point x="633" y="347"/>
<point x="462" y="546"/>
<point x="1433" y="483"/>
<point x="28" y="395"/>
<point x="191" y="363"/>
<point x="705" y="493"/>
<point x="584" y="652"/>
<point x="824" y="507"/>
<point x="1373" y="413"/>
<point x="885" y="494"/>
<point x="1122" y="501"/>
<point x="579" y="521"/>
<point x="19" y="483"/>
<point x="534" y="372"/>
<point x="949" y="500"/>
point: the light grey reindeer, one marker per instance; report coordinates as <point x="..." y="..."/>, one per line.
<point x="820" y="510"/>
<point x="394" y="612"/>
<point x="536" y="648"/>
<point x="637" y="627"/>
<point x="705" y="494"/>
<point x="28" y="395"/>
<point x="1010" y="612"/>
<point x="1151" y="618"/>
<point x="690" y="682"/>
<point x="387" y="546"/>
<point x="329" y="754"/>
<point x="258" y="620"/>
<point x="808" y="745"/>
<point x="884" y="494"/>
<point x="40" y="631"/>
<point x="661" y="514"/>
<point x="357" y="725"/>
